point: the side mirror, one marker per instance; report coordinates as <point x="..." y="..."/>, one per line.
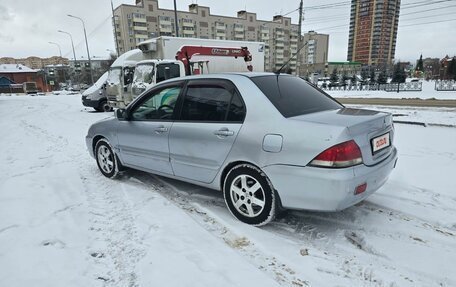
<point x="121" y="114"/>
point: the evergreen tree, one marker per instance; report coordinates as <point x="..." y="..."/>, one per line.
<point x="334" y="77"/>
<point x="372" y="76"/>
<point x="353" y="79"/>
<point x="382" y="77"/>
<point x="399" y="74"/>
<point x="345" y="78"/>
<point x="419" y="64"/>
<point x="364" y="74"/>
<point x="451" y="72"/>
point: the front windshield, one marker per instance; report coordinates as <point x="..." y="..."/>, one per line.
<point x="114" y="75"/>
<point x="144" y="73"/>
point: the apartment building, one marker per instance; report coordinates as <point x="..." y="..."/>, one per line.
<point x="314" y="55"/>
<point x="136" y="23"/>
<point x="35" y="62"/>
<point x="373" y="31"/>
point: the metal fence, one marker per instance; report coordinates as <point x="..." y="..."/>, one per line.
<point x="392" y="87"/>
<point x="445" y="86"/>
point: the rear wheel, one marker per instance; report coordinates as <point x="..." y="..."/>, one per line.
<point x="106" y="159"/>
<point x="249" y="195"/>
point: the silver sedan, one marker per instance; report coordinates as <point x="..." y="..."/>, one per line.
<point x="269" y="142"/>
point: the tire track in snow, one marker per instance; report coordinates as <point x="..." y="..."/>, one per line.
<point x="279" y="271"/>
<point x="115" y="247"/>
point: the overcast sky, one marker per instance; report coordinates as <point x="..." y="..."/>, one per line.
<point x="26" y="26"/>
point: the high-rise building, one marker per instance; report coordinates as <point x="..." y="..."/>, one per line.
<point x="373" y="31"/>
<point x="136" y="23"/>
<point x="314" y="56"/>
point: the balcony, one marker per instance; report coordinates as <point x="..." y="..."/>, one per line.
<point x="188" y="24"/>
<point x="140" y="20"/>
<point x="188" y="32"/>
<point x="279" y="44"/>
<point x="166" y="28"/>
<point x="239" y="29"/>
<point x="139" y="28"/>
<point x="220" y="26"/>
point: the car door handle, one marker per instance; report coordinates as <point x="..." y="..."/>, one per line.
<point x="224" y="133"/>
<point x="161" y="129"/>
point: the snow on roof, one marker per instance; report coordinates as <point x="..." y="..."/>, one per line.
<point x="16" y="68"/>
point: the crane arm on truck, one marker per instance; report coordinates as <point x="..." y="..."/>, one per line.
<point x="187" y="52"/>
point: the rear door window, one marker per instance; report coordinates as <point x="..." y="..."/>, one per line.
<point x="212" y="101"/>
<point x="293" y="96"/>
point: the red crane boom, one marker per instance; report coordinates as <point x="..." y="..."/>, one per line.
<point x="187" y="52"/>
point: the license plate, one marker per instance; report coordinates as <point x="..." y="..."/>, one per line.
<point x="380" y="142"/>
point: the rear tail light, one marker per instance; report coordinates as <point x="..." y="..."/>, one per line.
<point x="342" y="155"/>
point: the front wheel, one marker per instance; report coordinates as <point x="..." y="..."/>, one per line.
<point x="106" y="159"/>
<point x="104" y="107"/>
<point x="249" y="195"/>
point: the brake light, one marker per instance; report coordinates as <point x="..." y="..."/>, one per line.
<point x="342" y="155"/>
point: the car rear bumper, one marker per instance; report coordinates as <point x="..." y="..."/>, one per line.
<point x="325" y="189"/>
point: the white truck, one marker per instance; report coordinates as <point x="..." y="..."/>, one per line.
<point x="169" y="57"/>
<point x="151" y="72"/>
<point x="120" y="77"/>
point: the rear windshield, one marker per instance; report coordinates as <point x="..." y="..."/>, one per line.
<point x="293" y="96"/>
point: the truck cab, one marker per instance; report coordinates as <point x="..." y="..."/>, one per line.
<point x="120" y="78"/>
<point x="150" y="72"/>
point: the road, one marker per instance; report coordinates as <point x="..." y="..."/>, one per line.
<point x="63" y="224"/>
<point x="399" y="102"/>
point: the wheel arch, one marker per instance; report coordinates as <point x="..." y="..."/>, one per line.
<point x="95" y="140"/>
<point x="229" y="166"/>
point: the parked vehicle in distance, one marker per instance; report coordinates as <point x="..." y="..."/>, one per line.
<point x="95" y="96"/>
<point x="267" y="141"/>
<point x="30" y="87"/>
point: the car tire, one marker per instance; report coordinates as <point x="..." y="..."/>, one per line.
<point x="249" y="195"/>
<point x="106" y="159"/>
<point x="104" y="107"/>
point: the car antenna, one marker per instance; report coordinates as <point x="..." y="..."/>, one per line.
<point x="286" y="63"/>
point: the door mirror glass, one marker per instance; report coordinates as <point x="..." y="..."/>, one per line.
<point x="121" y="114"/>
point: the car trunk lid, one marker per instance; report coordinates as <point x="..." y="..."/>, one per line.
<point x="372" y="131"/>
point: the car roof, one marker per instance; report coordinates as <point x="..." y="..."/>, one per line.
<point x="227" y="76"/>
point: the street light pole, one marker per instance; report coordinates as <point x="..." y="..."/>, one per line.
<point x="74" y="53"/>
<point x="72" y="45"/>
<point x="87" y="45"/>
<point x="60" y="50"/>
<point x="61" y="59"/>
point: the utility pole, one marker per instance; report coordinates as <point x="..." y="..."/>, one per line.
<point x="298" y="60"/>
<point x="115" y="29"/>
<point x="175" y="19"/>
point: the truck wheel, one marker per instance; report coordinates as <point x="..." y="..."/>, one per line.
<point x="104" y="107"/>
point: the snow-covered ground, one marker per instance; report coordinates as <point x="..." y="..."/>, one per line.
<point x="420" y="115"/>
<point x="63" y="224"/>
<point x="428" y="92"/>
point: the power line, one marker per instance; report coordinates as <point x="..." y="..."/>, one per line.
<point x="431" y="16"/>
<point x="424" y="11"/>
<point x="417" y="24"/>
<point x="424" y="3"/>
